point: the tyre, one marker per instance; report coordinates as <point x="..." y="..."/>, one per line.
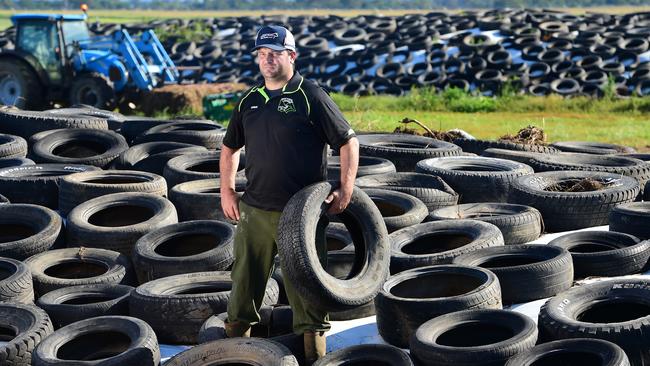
<point x="478" y="146"/>
<point x="367" y="166"/>
<point x="132" y="127"/>
<point x="207" y="134"/>
<point x="191" y="167"/>
<point x="79" y="146"/>
<point x="23" y="328"/>
<point x="632" y="218"/>
<point x="572" y="352"/>
<point x="301" y="265"/>
<point x="562" y="208"/>
<point x="114" y="119"/>
<point x="115" y="340"/>
<point x="116" y="221"/>
<point x="75" y="189"/>
<point x="613" y="310"/>
<point x="519" y="224"/>
<point x="60" y="268"/>
<point x="274" y="321"/>
<point x="405" y="150"/>
<point x="525" y="272"/>
<point x="432" y="191"/>
<point x="410" y="298"/>
<point x="192" y="246"/>
<point x="72" y="304"/>
<point x="514" y="155"/>
<point x="27" y="230"/>
<point x="476" y="179"/>
<point x="15" y="282"/>
<point x="366" y="354"/>
<point x="177" y="306"/>
<point x="93" y="89"/>
<point x="439" y="242"/>
<point x="12" y="162"/>
<point x="153" y="156"/>
<point x="12" y="146"/>
<point x="483" y="337"/>
<point x="236" y="351"/>
<point x="398" y="209"/>
<point x="21" y="87"/>
<point x="590" y="147"/>
<point x="27" y="123"/>
<point x="201" y="199"/>
<point x="604" y="253"/>
<point x="37" y="184"/>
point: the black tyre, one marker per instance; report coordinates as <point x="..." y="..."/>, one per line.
<point x="26" y="123"/>
<point x="525" y="272"/>
<point x="21" y="87"/>
<point x="23" y="328"/>
<point x="398" y="209"/>
<point x="12" y="162"/>
<point x="514" y="155"/>
<point x="367" y="166"/>
<point x="132" y="127"/>
<point x="153" y="156"/>
<point x="201" y="199"/>
<point x="572" y="352"/>
<point x="115" y="340"/>
<point x="192" y="246"/>
<point x="116" y="221"/>
<point x="301" y="265"/>
<point x="562" y="208"/>
<point x="432" y="191"/>
<point x="519" y="224"/>
<point x="37" y="184"/>
<point x="632" y="218"/>
<point x="26" y="230"/>
<point x="405" y="150"/>
<point x="376" y="354"/>
<point x="191" y="167"/>
<point x="79" y="266"/>
<point x="114" y="119"/>
<point x="12" y="146"/>
<point x="71" y="304"/>
<point x="478" y="146"/>
<point x="15" y="282"/>
<point x="614" y="310"/>
<point x="604" y="253"/>
<point x="177" y="306"/>
<point x="93" y="89"/>
<point x="483" y="337"/>
<point x="439" y="242"/>
<point x="207" y="133"/>
<point x="77" y="188"/>
<point x="410" y="298"/>
<point x="79" y="146"/>
<point x="590" y="147"/>
<point x="236" y="351"/>
<point x="476" y="179"/>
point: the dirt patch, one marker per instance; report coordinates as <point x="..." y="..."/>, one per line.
<point x="530" y="135"/>
<point x="448" y="136"/>
<point x="175" y="99"/>
<point x="578" y="185"/>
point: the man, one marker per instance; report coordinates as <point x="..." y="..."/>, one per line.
<point x="285" y="124"/>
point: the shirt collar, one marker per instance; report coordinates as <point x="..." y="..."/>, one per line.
<point x="291" y="86"/>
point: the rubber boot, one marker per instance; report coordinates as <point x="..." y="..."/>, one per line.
<point x="315" y="346"/>
<point x="237" y="329"/>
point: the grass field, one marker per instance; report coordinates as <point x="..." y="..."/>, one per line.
<point x="135" y="16"/>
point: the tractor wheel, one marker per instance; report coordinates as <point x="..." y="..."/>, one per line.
<point x="94" y="90"/>
<point x="19" y="85"/>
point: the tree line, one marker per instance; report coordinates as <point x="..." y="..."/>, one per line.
<point x="299" y="4"/>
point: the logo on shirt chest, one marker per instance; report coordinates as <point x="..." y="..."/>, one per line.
<point x="286" y="105"/>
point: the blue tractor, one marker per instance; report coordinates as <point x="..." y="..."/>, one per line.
<point x="57" y="60"/>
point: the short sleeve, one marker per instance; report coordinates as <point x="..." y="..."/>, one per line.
<point x="327" y="115"/>
<point x="234" y="137"/>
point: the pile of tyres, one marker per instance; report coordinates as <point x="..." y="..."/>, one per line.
<point x="538" y="52"/>
<point x="112" y="242"/>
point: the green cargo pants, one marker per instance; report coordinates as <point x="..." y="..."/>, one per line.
<point x="255" y="250"/>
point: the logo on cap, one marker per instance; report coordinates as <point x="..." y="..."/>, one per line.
<point x="269" y="35"/>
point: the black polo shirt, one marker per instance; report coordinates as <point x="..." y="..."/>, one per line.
<point x="285" y="138"/>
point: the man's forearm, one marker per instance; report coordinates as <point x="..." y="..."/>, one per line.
<point x="228" y="163"/>
<point x="349" y="157"/>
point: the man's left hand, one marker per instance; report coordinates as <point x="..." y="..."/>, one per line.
<point x="339" y="200"/>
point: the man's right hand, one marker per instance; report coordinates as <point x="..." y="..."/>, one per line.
<point x="230" y="204"/>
